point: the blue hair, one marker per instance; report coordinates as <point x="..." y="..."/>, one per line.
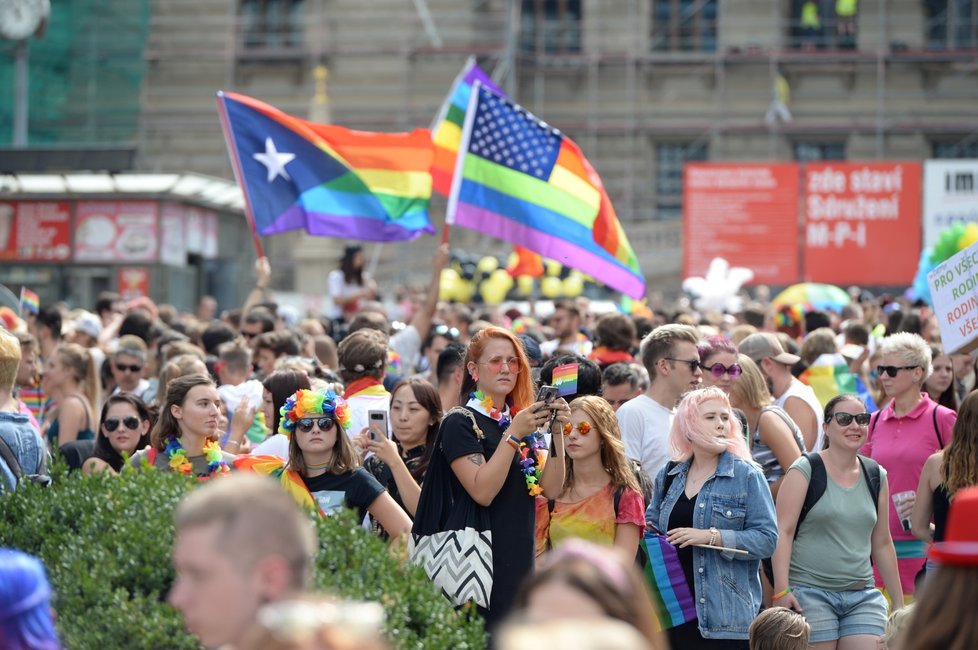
<point x="25" y="610"/>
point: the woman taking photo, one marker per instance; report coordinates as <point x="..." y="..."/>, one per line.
<point x="123" y="430"/>
<point x="399" y="464"/>
<point x="776" y="441"/>
<point x="945" y="473"/>
<point x="712" y="494"/>
<point x="822" y="567"/>
<point x="71" y="380"/>
<point x="322" y="469"/>
<point x="185" y="438"/>
<point x="484" y="448"/>
<point x="903" y="435"/>
<point x="600" y="501"/>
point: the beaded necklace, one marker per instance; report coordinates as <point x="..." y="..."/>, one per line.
<point x="179" y="462"/>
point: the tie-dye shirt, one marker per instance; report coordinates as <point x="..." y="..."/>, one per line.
<point x="592" y="519"/>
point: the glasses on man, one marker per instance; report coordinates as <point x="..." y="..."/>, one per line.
<point x="719" y="370"/>
<point x="495" y="364"/>
<point x="121" y="367"/>
<point x="693" y="364"/>
<point x="845" y="419"/>
<point x="130" y="422"/>
<point x="305" y="424"/>
<point x="892" y="370"/>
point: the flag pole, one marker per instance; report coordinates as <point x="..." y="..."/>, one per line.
<point x="238" y="176"/>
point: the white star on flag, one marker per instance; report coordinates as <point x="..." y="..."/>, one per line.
<point x="274" y="160"/>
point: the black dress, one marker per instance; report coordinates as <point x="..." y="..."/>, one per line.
<point x="382" y="472"/>
<point x="687" y="636"/>
<point x="512" y="512"/>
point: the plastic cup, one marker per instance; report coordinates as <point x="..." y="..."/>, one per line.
<point x="903" y="502"/>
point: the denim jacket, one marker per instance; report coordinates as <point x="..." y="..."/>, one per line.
<point x="25" y="442"/>
<point x="737" y="501"/>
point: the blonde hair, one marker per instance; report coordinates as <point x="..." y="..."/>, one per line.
<point x="10" y="355"/>
<point x="613" y="457"/>
<point x="896" y="625"/>
<point x="79" y="361"/>
<point x="686" y="426"/>
<point x="912" y="348"/>
<point x="750" y="389"/>
<point x="779" y="628"/>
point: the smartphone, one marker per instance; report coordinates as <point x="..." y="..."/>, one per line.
<point x="547" y="394"/>
<point x="377" y="420"/>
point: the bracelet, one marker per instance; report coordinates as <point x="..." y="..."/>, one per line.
<point x="232" y="442"/>
<point x="513" y="441"/>
<point x="713" y="536"/>
<point x="781" y="594"/>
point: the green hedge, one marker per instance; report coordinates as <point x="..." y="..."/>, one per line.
<point x="106" y="544"/>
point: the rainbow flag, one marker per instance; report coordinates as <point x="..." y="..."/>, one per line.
<point x="829" y="376"/>
<point x="671" y="595"/>
<point x="325" y="179"/>
<point x="522" y="181"/>
<point x="565" y="379"/>
<point x="30" y="302"/>
<point x="446" y="130"/>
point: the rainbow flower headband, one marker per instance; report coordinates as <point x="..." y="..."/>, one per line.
<point x="313" y="402"/>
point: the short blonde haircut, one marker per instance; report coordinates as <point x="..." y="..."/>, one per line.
<point x="779" y="628"/>
<point x="10" y="356"/>
<point x="910" y="347"/>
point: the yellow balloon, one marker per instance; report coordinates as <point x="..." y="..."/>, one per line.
<point x="503" y="278"/>
<point x="553" y="267"/>
<point x="447" y="284"/>
<point x="488" y="264"/>
<point x="550" y="286"/>
<point x="969" y="237"/>
<point x="464" y="290"/>
<point x="573" y="285"/>
<point x="512" y="259"/>
<point x="525" y="284"/>
<point x="492" y="293"/>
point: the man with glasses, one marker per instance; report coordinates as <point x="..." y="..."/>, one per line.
<point x="796" y="398"/>
<point x="673" y="363"/>
<point x="128" y="363"/>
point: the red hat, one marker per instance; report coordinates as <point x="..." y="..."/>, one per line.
<point x="960" y="545"/>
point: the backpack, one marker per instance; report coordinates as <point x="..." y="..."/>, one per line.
<point x="819" y="479"/>
<point x="42" y="478"/>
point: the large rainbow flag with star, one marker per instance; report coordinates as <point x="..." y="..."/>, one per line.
<point x="521" y="180"/>
<point x="325" y="179"/>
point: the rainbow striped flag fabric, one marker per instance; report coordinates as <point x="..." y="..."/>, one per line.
<point x="30" y="302"/>
<point x="325" y="179"/>
<point x="829" y="375"/>
<point x="671" y="596"/>
<point x="565" y="379"/>
<point x="446" y="130"/>
<point x="520" y="180"/>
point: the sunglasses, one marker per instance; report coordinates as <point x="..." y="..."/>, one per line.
<point x="130" y="422"/>
<point x="446" y="331"/>
<point x="845" y="419"/>
<point x="892" y="370"/>
<point x="495" y="364"/>
<point x="719" y="370"/>
<point x="121" y="367"/>
<point x="582" y="427"/>
<point x="305" y="424"/>
<point x="693" y="364"/>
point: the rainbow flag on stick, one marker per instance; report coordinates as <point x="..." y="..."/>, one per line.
<point x="520" y="180"/>
<point x="565" y="379"/>
<point x="671" y="596"/>
<point x="325" y="179"/>
<point x="446" y="130"/>
<point x="30" y="302"/>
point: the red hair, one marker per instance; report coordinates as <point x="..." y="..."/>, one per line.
<point x="522" y="394"/>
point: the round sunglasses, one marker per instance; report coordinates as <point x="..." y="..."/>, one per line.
<point x="719" y="370"/>
<point x="582" y="427"/>
<point x="305" y="424"/>
<point x="130" y="422"/>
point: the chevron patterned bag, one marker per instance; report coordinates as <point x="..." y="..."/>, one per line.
<point x="451" y="538"/>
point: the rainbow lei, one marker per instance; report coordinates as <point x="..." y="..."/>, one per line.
<point x="179" y="462"/>
<point x="482" y="403"/>
<point x="533" y="448"/>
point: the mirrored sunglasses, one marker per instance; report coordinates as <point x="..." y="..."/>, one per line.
<point x="305" y="424"/>
<point x="582" y="427"/>
<point x="130" y="422"/>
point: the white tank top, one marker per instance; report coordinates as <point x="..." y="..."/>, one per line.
<point x="805" y="392"/>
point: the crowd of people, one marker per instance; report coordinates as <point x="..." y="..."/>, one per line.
<point x="797" y="517"/>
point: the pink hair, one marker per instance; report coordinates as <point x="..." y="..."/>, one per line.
<point x="686" y="426"/>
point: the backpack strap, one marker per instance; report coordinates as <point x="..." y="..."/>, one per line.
<point x="871" y="471"/>
<point x="937" y="430"/>
<point x="11" y="460"/>
<point x="816" y="486"/>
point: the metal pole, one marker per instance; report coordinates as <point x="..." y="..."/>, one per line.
<point x="21" y="99"/>
<point x="429" y="23"/>
<point x="881" y="83"/>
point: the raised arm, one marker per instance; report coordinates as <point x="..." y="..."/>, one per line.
<point x="263" y="272"/>
<point x="422" y="317"/>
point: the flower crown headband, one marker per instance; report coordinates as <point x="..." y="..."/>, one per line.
<point x="306" y="402"/>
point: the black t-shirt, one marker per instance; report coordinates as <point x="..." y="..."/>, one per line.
<point x="356" y="489"/>
<point x="512" y="513"/>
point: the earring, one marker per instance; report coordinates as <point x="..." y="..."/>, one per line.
<point x="475" y="376"/>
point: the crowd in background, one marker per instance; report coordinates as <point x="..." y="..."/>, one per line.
<point x="806" y="506"/>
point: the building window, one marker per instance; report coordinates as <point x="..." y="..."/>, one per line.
<point x="670" y="158"/>
<point x="271" y="24"/>
<point x="816" y="151"/>
<point x="551" y="26"/>
<point x="951" y="24"/>
<point x="684" y="25"/>
<point x="967" y="148"/>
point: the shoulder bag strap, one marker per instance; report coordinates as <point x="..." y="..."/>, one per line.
<point x="937" y="429"/>
<point x="8" y="457"/>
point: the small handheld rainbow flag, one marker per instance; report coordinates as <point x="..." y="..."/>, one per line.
<point x="29" y="301"/>
<point x="565" y="379"/>
<point x="671" y="596"/>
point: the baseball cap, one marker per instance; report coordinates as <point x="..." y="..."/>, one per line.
<point x="765" y="345"/>
<point x="88" y="323"/>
